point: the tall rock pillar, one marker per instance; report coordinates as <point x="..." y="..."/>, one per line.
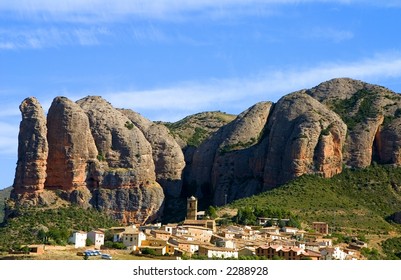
<point x="30" y="174"/>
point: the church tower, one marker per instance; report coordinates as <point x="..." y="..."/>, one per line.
<point x="192" y="208"/>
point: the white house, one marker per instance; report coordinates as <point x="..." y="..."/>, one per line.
<point x="272" y="229"/>
<point x="290" y="230"/>
<point x="333" y="253"/>
<point x="217" y="252"/>
<point x="97" y="238"/>
<point x="79" y="239"/>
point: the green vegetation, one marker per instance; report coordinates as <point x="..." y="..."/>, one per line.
<point x="361" y="102"/>
<point x="101" y="157"/>
<point x="129" y="125"/>
<point x="194" y="129"/>
<point x="198" y="137"/>
<point x="371" y="254"/>
<point x="249" y="215"/>
<point x="148" y="251"/>
<point x="388" y="119"/>
<point x="392" y="248"/>
<point x="355" y="200"/>
<point x="211" y="212"/>
<point x="238" y="146"/>
<point x="50" y="226"/>
<point x="4" y="195"/>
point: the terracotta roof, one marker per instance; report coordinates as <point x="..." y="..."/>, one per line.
<point x="311" y="253"/>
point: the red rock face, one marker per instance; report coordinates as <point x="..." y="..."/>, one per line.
<point x="71" y="146"/>
<point x="305" y="138"/>
<point x="32" y="149"/>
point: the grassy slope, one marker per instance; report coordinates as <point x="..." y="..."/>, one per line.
<point x="194" y="129"/>
<point x="358" y="200"/>
<point x="24" y="228"/>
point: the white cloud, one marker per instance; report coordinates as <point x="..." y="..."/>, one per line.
<point x="160" y="9"/>
<point x="37" y="38"/>
<point x="332" y="34"/>
<point x="235" y="95"/>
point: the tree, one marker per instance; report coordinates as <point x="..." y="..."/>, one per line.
<point x="211" y="212"/>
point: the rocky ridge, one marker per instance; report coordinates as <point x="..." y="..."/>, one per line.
<point x="120" y="162"/>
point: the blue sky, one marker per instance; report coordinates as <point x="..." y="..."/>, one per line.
<point x="168" y="59"/>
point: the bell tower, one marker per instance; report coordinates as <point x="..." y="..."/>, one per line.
<point x="192" y="208"/>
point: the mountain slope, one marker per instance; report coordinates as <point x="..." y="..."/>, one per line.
<point x="194" y="129"/>
<point x="360" y="200"/>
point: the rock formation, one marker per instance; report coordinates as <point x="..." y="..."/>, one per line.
<point x="167" y="154"/>
<point x="223" y="164"/>
<point x="366" y="109"/>
<point x="71" y="146"/>
<point x="123" y="180"/>
<point x="30" y="174"/>
<point x="119" y="162"/>
<point x="305" y="137"/>
<point x="91" y="154"/>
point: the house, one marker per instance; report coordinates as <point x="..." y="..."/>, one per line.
<point x="211" y="224"/>
<point x="36" y="249"/>
<point x="285" y="252"/>
<point x="313" y="246"/>
<point x="235" y="229"/>
<point x="149" y="227"/>
<point x="171" y="228"/>
<point x="180" y="231"/>
<point x="97" y="238"/>
<point x="321" y="227"/>
<point x="262" y="221"/>
<point x="160" y="247"/>
<point x="324" y="242"/>
<point x="331" y="253"/>
<point x="290" y="230"/>
<point x="312" y="255"/>
<point x="200" y="215"/>
<point x="217" y="252"/>
<point x="78" y="238"/>
<point x="160" y="234"/>
<point x="226" y="234"/>
<point x="201" y="234"/>
<point x="247" y="251"/>
<point x="272" y="229"/>
<point x="118" y="232"/>
<point x="219" y="241"/>
<point x="186" y="246"/>
<point x="132" y="238"/>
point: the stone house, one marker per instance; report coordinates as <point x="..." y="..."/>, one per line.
<point x="321" y="227"/>
<point x="132" y="238"/>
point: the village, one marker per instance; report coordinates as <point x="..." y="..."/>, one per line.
<point x="198" y="237"/>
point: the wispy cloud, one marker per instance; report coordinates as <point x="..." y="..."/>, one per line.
<point x="37" y="38"/>
<point x="157" y="9"/>
<point x="238" y="93"/>
<point x="331" y="34"/>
